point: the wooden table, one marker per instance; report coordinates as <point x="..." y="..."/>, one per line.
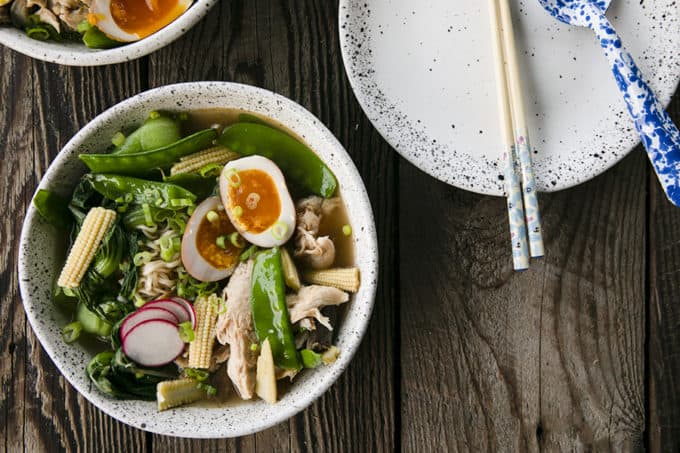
<point x="582" y="352"/>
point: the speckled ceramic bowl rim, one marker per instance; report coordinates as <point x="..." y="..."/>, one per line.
<point x="77" y="54"/>
<point x="361" y="80"/>
<point x="196" y="421"/>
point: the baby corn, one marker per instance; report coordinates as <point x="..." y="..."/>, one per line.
<point x="346" y="279"/>
<point x="96" y="224"/>
<point x="200" y="350"/>
<point x="290" y="272"/>
<point x="194" y="162"/>
<point x="175" y="393"/>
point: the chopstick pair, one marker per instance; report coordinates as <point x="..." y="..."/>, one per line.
<point x="523" y="212"/>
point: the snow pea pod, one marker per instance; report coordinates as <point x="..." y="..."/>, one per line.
<point x="53" y="208"/>
<point x="295" y="159"/>
<point x="154" y="133"/>
<point x="139" y="164"/>
<point x="270" y="313"/>
<point x="200" y="186"/>
<point x="141" y="191"/>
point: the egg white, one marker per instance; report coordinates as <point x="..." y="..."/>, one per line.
<point x="101" y="9"/>
<point x="197" y="266"/>
<point x="287" y="214"/>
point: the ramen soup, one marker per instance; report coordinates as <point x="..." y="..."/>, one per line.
<point x="209" y="255"/>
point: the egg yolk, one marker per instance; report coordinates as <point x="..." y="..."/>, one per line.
<point x="143" y="17"/>
<point x="206" y="241"/>
<point x="257" y="199"/>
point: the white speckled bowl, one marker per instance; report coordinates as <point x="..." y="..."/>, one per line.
<point x="73" y="53"/>
<point x="39" y="262"/>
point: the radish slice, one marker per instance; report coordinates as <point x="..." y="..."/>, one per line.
<point x="189" y="307"/>
<point x="154" y="342"/>
<point x="178" y="309"/>
<point x="146" y="314"/>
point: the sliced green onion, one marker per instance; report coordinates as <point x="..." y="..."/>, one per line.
<point x="167" y="249"/>
<point x="118" y="139"/>
<point x="84" y="26"/>
<point x="210" y="170"/>
<point x="71" y="332"/>
<point x="129" y="198"/>
<point x="186" y="333"/>
<point x="122" y="208"/>
<point x="159" y="202"/>
<point x="148" y="218"/>
<point x="191" y="209"/>
<point x="139" y="301"/>
<point x="346" y="230"/>
<point x="212" y="216"/>
<point x="248" y="253"/>
<point x="237" y="211"/>
<point x="254" y="347"/>
<point x="38" y="32"/>
<point x="207" y="388"/>
<point x="141" y="258"/>
<point x="196" y="374"/>
<point x="181" y="202"/>
<point x="310" y="359"/>
<point x="154" y="115"/>
<point x="221" y="307"/>
<point x="236" y="240"/>
<point x="221" y="241"/>
<point x="176" y="244"/>
<point x="279" y="230"/>
<point x="234" y="178"/>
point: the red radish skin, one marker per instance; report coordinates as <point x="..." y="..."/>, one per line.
<point x="178" y="309"/>
<point x="153" y="343"/>
<point x="147" y="314"/>
<point x="189" y="306"/>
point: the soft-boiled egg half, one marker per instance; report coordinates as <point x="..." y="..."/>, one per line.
<point x="132" y="20"/>
<point x="257" y="201"/>
<point x="208" y="254"/>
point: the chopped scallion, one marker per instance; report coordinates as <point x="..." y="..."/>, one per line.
<point x="236" y="240"/>
<point x="118" y="139"/>
<point x="212" y="216"/>
<point x="71" y="332"/>
<point x="221" y="241"/>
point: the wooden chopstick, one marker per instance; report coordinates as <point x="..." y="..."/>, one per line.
<point x="513" y="189"/>
<point x="522" y="144"/>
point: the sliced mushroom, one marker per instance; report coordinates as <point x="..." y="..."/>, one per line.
<point x="19" y="12"/>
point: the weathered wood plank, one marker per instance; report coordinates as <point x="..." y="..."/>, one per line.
<point x="291" y="47"/>
<point x="664" y="316"/>
<point x="551" y="358"/>
<point x="41" y="411"/>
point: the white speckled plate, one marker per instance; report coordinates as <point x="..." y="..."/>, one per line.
<point x="423" y="73"/>
<point x="39" y="262"/>
<point x="73" y="53"/>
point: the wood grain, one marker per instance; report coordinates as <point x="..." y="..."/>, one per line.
<point x="664" y="317"/>
<point x="551" y="358"/>
<point x="291" y="47"/>
<point x="40" y="410"/>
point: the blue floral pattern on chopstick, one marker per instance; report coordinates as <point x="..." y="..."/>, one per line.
<point x="531" y="211"/>
<point x="518" y="233"/>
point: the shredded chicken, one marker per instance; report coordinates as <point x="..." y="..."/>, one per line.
<point x="310" y="299"/>
<point x="71" y="12"/>
<point x="317" y="252"/>
<point x="235" y="328"/>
